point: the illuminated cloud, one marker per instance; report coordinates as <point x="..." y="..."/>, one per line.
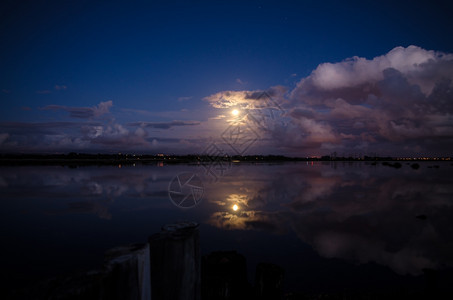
<point x="244" y="99"/>
<point x="402" y="96"/>
<point x="402" y="76"/>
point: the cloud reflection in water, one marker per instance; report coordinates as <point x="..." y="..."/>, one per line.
<point x="359" y="212"/>
<point x="352" y="211"/>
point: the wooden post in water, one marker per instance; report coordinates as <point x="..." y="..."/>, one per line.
<point x="175" y="262"/>
<point x="127" y="273"/>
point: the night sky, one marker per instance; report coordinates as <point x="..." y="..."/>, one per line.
<point x="163" y="76"/>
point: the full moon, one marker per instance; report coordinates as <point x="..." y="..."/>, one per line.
<point x="235" y="207"/>
<point x="235" y="112"/>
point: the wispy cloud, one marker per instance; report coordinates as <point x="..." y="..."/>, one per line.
<point x="84" y="112"/>
<point x="57" y="87"/>
<point x="181" y="99"/>
<point x="38" y="126"/>
<point x="238" y="80"/>
<point x="164" y="125"/>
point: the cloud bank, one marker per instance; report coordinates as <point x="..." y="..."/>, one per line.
<point x="397" y="104"/>
<point x="96" y="130"/>
<point x="400" y="102"/>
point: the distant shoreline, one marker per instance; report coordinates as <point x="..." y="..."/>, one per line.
<point x="80" y="159"/>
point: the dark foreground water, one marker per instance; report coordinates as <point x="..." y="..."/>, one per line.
<point x="333" y="227"/>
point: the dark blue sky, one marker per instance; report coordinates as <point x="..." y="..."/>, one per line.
<point x="157" y="61"/>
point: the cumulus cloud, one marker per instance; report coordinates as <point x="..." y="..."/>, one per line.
<point x="405" y="95"/>
<point x="398" y="101"/>
<point x="84" y="112"/>
<point x="414" y="62"/>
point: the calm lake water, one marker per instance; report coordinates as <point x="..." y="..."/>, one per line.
<point x="331" y="226"/>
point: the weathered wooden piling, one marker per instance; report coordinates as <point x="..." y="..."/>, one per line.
<point x="127" y="273"/>
<point x="175" y="262"/>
